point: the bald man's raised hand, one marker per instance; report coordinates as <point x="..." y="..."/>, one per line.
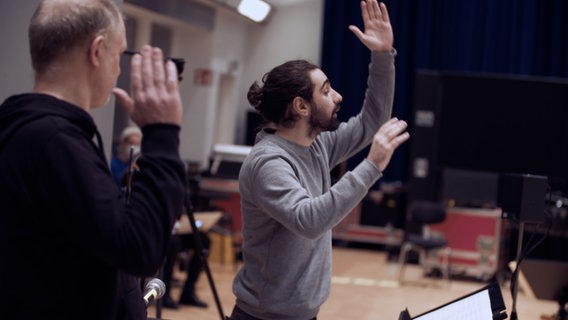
<point x="154" y="88"/>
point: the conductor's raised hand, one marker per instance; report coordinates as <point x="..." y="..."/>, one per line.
<point x="155" y="91"/>
<point x="378" y="35"/>
<point x="389" y="136"/>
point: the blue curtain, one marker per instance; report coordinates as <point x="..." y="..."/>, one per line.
<point x="524" y="37"/>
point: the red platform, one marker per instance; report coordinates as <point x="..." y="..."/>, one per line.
<point x="474" y="235"/>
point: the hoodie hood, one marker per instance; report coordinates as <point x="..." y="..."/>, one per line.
<point x="20" y="110"/>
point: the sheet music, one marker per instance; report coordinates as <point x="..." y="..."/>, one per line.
<point x="474" y="307"/>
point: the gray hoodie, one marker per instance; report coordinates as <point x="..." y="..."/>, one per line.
<point x="289" y="206"/>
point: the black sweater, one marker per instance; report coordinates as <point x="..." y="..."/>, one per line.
<point x="70" y="246"/>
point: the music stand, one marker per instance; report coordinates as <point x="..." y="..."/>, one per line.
<point x="200" y="250"/>
<point x="485" y="301"/>
<point x="189" y="225"/>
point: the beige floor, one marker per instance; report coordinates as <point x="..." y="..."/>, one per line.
<point x="364" y="288"/>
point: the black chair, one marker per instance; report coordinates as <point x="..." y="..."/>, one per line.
<point x="420" y="215"/>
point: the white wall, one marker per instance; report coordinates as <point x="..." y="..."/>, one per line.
<point x="16" y="73"/>
<point x="237" y="51"/>
<point x="292" y="32"/>
<point x="242" y="51"/>
<point x="195" y="46"/>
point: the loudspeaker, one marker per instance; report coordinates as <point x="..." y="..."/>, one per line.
<point x="425" y="125"/>
<point x="522" y="197"/>
<point x="468" y="188"/>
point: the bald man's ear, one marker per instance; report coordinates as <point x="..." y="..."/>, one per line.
<point x="95" y="50"/>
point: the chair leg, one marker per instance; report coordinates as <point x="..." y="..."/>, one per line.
<point x="402" y="260"/>
<point x="447" y="263"/>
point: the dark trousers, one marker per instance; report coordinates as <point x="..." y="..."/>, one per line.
<point x="195" y="266"/>
<point x="239" y="314"/>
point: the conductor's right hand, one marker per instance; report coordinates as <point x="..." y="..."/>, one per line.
<point x="155" y="90"/>
<point x="389" y="136"/>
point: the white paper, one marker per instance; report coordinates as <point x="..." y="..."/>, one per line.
<point x="474" y="307"/>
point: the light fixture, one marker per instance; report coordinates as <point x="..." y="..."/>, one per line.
<point x="256" y="10"/>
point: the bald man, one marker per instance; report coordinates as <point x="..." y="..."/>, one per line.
<point x="70" y="246"/>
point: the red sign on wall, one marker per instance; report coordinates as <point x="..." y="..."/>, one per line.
<point x="203" y="77"/>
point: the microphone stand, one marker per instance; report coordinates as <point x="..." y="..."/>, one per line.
<point x="159" y="302"/>
<point x="199" y="250"/>
<point x="203" y="254"/>
<point x="515" y="279"/>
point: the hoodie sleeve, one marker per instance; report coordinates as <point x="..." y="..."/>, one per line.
<point x="133" y="236"/>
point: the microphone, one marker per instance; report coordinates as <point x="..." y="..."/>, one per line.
<point x="154" y="290"/>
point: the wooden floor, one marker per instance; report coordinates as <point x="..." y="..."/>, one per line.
<point x="364" y="288"/>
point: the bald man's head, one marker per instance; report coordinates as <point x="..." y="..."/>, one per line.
<point x="60" y="26"/>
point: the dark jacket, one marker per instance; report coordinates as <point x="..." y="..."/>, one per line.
<point x="70" y="246"/>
